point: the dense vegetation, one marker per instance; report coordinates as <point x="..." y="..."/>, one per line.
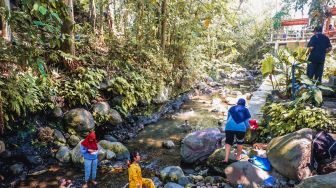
<point x="68" y="54"/>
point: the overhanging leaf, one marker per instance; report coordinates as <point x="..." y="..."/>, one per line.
<point x="318" y="97"/>
<point x="267" y="66"/>
<point x="326" y="88"/>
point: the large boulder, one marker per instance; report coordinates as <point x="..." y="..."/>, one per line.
<point x="325" y="181"/>
<point x="327" y="166"/>
<point x="79" y="121"/>
<point x="2" y="146"/>
<point x="118" y="148"/>
<point x="199" y="145"/>
<point x="290" y="154"/>
<point x="63" y="154"/>
<point x="245" y="173"/>
<point x="171" y="173"/>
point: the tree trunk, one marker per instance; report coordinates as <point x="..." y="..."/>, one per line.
<point x="6" y="31"/>
<point x="111" y="8"/>
<point x="164" y="14"/>
<point x="93" y="14"/>
<point x="101" y="19"/>
<point x="68" y="45"/>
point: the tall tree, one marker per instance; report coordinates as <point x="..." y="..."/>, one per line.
<point x="6" y="31"/>
<point x="93" y="13"/>
<point x="111" y="18"/>
<point x="164" y="14"/>
<point x="67" y="28"/>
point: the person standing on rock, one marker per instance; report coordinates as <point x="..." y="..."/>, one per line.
<point x="318" y="46"/>
<point x="134" y="173"/>
<point x="89" y="150"/>
<point x="236" y="126"/>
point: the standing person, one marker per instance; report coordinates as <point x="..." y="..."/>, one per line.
<point x="318" y="46"/>
<point x="236" y="127"/>
<point x="134" y="173"/>
<point x="89" y="149"/>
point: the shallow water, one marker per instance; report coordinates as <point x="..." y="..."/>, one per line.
<point x="149" y="143"/>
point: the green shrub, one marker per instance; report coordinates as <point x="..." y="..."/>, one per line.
<point x="283" y="118"/>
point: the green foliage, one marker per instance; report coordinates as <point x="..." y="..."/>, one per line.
<point x="278" y="17"/>
<point x="82" y="87"/>
<point x="282" y="118"/>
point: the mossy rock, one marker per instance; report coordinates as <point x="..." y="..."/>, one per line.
<point x="79" y="121"/>
<point x="101" y="108"/>
<point x="118" y="148"/>
<point x="171" y="174"/>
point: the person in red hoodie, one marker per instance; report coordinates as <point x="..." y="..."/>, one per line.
<point x="89" y="150"/>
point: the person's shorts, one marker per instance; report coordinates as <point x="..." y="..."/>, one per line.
<point x="231" y="135"/>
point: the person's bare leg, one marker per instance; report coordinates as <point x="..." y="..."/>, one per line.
<point x="227" y="152"/>
<point x="239" y="151"/>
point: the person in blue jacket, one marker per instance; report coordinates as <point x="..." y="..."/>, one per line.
<point x="89" y="150"/>
<point x="236" y="126"/>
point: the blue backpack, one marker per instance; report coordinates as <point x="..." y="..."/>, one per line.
<point x="261" y="162"/>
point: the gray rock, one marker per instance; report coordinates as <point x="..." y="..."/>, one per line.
<point x="209" y="179"/>
<point x="197" y="179"/>
<point x="110" y="138"/>
<point x="245" y="173"/>
<point x="157" y="182"/>
<point x="79" y="121"/>
<point x="202" y="86"/>
<point x="76" y="155"/>
<point x="101" y="153"/>
<point x="16" y="169"/>
<point x="171" y="173"/>
<point x="63" y="154"/>
<point x="110" y="155"/>
<point x="101" y="108"/>
<point x="2" y="146"/>
<point x="59" y="138"/>
<point x="34" y="159"/>
<point x="57" y="112"/>
<point x="168" y="144"/>
<point x="118" y="148"/>
<point x="325" y="181"/>
<point x="115" y="117"/>
<point x="199" y="145"/>
<point x="183" y="181"/>
<point x="163" y="96"/>
<point x="290" y="154"/>
<point x="172" y="185"/>
<point x="74" y="140"/>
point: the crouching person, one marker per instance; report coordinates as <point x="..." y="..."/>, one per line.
<point x="134" y="173"/>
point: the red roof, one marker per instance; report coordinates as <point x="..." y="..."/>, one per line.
<point x="303" y="21"/>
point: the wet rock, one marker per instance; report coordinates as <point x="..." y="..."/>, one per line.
<point x="63" y="154"/>
<point x="183" y="181"/>
<point x="2" y="146"/>
<point x="79" y="121"/>
<point x="325" y="181"/>
<point x="118" y="148"/>
<point x="290" y="154"/>
<point x="57" y="112"/>
<point x="34" y="159"/>
<point x="16" y="169"/>
<point x="59" y="138"/>
<point x="110" y="155"/>
<point x="115" y="117"/>
<point x="101" y="108"/>
<point x="168" y="144"/>
<point x="245" y="173"/>
<point x="110" y="138"/>
<point x="199" y="145"/>
<point x="74" y="140"/>
<point x="171" y="173"/>
<point x="172" y="185"/>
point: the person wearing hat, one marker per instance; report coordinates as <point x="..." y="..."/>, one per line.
<point x="236" y="126"/>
